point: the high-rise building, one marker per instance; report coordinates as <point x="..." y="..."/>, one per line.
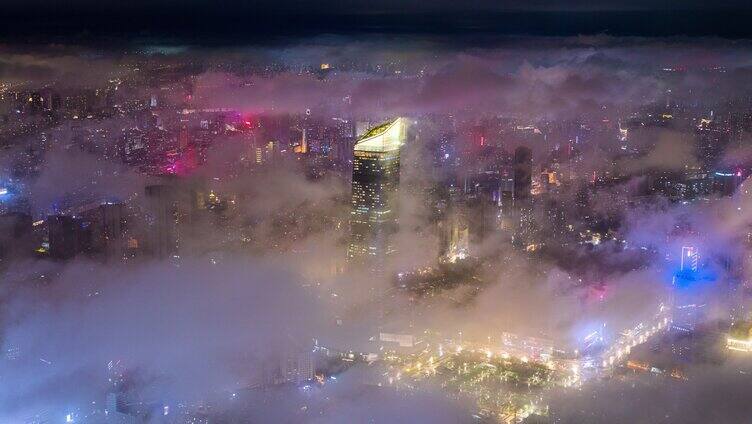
<point x="66" y="236"/>
<point x="163" y="208"/>
<point x="689" y="258"/>
<point x="183" y="137"/>
<point x="293" y="367"/>
<point x="376" y="170"/>
<point x="106" y="223"/>
<point x="458" y="239"/>
<point x="688" y="303"/>
<point x="117" y="410"/>
<point x="523" y="172"/>
<point x="15" y="233"/>
<point x="523" y="180"/>
<point x="726" y="183"/>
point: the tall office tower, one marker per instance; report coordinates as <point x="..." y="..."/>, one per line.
<point x="454" y="233"/>
<point x="106" y="223"/>
<point x="163" y="208"/>
<point x="688" y="303"/>
<point x="505" y="197"/>
<point x="295" y="368"/>
<point x="523" y="172"/>
<point x="66" y="236"/>
<point x="373" y="217"/>
<point x="459" y="240"/>
<point x="16" y="230"/>
<point x="523" y="235"/>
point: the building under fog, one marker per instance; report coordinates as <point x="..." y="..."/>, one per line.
<point x="376" y="171"/>
<point x="523" y="173"/>
<point x="164" y="233"/>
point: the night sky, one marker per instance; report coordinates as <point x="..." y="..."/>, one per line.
<point x="203" y="21"/>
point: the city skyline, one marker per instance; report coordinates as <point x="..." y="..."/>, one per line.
<point x="406" y="213"/>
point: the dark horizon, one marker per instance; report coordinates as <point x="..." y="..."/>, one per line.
<point x="194" y="26"/>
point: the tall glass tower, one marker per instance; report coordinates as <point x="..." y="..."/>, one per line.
<point x="373" y="217"/>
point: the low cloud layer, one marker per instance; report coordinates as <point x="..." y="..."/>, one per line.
<point x="210" y="321"/>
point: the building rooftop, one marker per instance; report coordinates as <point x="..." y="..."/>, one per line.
<point x="385" y="137"/>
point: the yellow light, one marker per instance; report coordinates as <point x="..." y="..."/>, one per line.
<point x="739" y="345"/>
<point x="383" y="138"/>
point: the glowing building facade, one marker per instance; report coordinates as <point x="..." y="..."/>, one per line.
<point x="740" y="337"/>
<point x="376" y="169"/>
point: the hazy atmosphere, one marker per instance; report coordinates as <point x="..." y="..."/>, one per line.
<point x="387" y="212"/>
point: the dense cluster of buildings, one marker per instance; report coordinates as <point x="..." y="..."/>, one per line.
<point x="548" y="189"/>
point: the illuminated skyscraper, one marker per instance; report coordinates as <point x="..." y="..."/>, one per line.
<point x="688" y="302"/>
<point x="373" y="217"/>
<point x="689" y="258"/>
<point x="523" y="205"/>
<point x="459" y="240"/>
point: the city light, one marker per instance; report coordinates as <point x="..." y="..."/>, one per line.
<point x="249" y="219"/>
<point x="739" y="345"/>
